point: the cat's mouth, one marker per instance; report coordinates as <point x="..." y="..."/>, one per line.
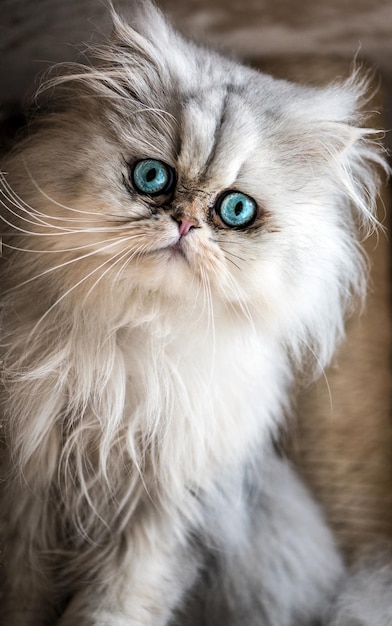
<point x="176" y="251"/>
<point x="173" y="251"/>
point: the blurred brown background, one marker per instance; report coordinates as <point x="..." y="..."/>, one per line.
<point x="36" y="32"/>
<point x="342" y="439"/>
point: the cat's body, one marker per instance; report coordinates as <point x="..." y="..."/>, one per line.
<point x="150" y="340"/>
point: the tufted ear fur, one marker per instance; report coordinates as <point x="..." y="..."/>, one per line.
<point x="147" y="35"/>
<point x="332" y="139"/>
<point x="327" y="129"/>
<point x="145" y="20"/>
<point x="348" y="151"/>
<point x="321" y="141"/>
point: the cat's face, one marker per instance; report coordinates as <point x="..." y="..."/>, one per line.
<point x="175" y="171"/>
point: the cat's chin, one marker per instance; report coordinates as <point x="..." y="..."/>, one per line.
<point x="168" y="271"/>
<point x="172" y="253"/>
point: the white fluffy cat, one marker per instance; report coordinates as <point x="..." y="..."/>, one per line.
<point x="180" y="239"/>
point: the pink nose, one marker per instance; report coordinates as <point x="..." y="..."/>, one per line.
<point x="185" y="223"/>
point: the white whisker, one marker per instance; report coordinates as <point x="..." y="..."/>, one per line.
<point x="55" y="202"/>
<point x="242" y="301"/>
<point x="70" y="290"/>
<point x="35" y="222"/>
<point x="70" y="262"/>
<point x="210" y="316"/>
<point x="135" y="254"/>
<point x="52" y="227"/>
<point x="60" y="250"/>
<point x="10" y="194"/>
<point x="121" y="255"/>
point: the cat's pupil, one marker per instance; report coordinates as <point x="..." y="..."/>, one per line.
<point x="238" y="208"/>
<point x="151" y="174"/>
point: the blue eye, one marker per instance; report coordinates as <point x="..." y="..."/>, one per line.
<point x="152" y="177"/>
<point x="236" y="209"/>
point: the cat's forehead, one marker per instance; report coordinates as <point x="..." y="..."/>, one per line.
<point x="219" y="132"/>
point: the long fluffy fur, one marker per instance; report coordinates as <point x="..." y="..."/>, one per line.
<point x="365" y="596"/>
<point x="133" y="382"/>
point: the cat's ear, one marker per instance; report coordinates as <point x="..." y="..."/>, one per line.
<point x="145" y="43"/>
<point x="324" y="141"/>
<point x="341" y="136"/>
<point x="351" y="158"/>
<point x="327" y="121"/>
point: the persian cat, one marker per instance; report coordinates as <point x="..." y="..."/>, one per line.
<point x="180" y="244"/>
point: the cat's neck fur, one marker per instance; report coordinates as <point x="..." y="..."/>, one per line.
<point x="155" y="381"/>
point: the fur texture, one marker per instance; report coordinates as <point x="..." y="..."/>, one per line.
<point x="143" y="371"/>
<point x="365" y="597"/>
<point x="269" y="558"/>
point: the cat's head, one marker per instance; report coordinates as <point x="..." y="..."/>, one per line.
<point x="169" y="171"/>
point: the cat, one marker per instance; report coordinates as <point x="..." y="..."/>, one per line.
<point x="180" y="246"/>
